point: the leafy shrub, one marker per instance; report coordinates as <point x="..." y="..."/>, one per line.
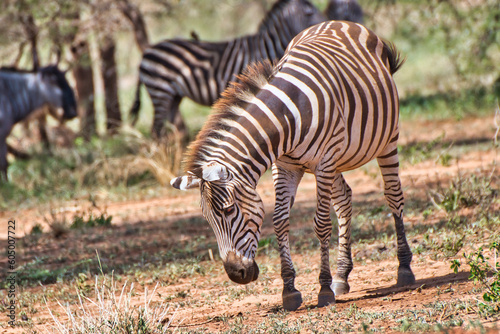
<point x="488" y="276"/>
<point x="465" y="192"/>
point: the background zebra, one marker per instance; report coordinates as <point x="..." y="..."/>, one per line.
<point x="177" y="68"/>
<point x="346" y="10"/>
<point x="329" y="105"/>
<point x="21" y="93"/>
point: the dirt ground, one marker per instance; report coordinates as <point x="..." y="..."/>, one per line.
<point x="163" y="223"/>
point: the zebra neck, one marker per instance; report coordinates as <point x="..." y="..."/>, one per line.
<point x="276" y="35"/>
<point x="247" y="169"/>
<point x="24" y="94"/>
<point x="253" y="142"/>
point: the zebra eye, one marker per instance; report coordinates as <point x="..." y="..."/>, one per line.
<point x="229" y="210"/>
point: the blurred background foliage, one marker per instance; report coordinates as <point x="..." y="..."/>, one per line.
<point x="451" y="45"/>
<point x="452" y="70"/>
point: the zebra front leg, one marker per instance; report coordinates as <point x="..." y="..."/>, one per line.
<point x="323" y="230"/>
<point x="389" y="167"/>
<point x="285" y="184"/>
<point x="166" y="109"/>
<point x="342" y="204"/>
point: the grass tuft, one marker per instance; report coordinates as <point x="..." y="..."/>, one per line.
<point x="466" y="192"/>
<point x="117" y="165"/>
<point x="111" y="311"/>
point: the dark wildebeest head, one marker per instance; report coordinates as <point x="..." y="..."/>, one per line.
<point x="57" y="91"/>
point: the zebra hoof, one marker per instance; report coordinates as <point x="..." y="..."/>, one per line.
<point x="326" y="296"/>
<point x="340" y="288"/>
<point x="292" y="300"/>
<point x="405" y="276"/>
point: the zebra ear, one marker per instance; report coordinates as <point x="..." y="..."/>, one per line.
<point x="185" y="182"/>
<point x="214" y="171"/>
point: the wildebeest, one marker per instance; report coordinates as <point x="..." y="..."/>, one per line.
<point x="22" y="92"/>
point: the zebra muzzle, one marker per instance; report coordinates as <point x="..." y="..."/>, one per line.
<point x="240" y="270"/>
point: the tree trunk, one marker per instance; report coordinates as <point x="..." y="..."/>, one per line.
<point x="134" y="15"/>
<point x="496" y="88"/>
<point x="31" y="31"/>
<point x="110" y="79"/>
<point x="84" y="78"/>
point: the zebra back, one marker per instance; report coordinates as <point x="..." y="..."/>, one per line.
<point x="337" y="48"/>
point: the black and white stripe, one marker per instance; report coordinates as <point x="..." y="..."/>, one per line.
<point x="21" y="93"/>
<point x="177" y="68"/>
<point x="328" y="106"/>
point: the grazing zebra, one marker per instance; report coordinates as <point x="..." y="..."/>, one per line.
<point x="173" y="69"/>
<point x="346" y="10"/>
<point x="24" y="92"/>
<point x="329" y="105"/>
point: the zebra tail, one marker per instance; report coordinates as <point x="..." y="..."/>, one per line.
<point x="396" y="60"/>
<point x="134" y="111"/>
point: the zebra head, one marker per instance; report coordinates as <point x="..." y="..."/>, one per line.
<point x="57" y="92"/>
<point x="305" y="15"/>
<point x="235" y="212"/>
<point x="345" y="10"/>
<point x="293" y="16"/>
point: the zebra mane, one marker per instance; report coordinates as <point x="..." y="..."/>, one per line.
<point x="236" y="97"/>
<point x="45" y="69"/>
<point x="12" y="69"/>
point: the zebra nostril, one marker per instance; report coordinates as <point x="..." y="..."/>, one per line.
<point x="243" y="273"/>
<point x="239" y="271"/>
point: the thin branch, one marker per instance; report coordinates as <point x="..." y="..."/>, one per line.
<point x="496" y="120"/>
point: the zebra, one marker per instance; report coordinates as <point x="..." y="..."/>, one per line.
<point x="21" y="93"/>
<point x="177" y="68"/>
<point x="328" y="106"/>
<point x="347" y="10"/>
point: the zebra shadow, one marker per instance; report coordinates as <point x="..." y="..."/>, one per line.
<point x="420" y="284"/>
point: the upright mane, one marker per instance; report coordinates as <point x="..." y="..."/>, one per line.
<point x="236" y="97"/>
<point x="12" y="69"/>
<point x="46" y="69"/>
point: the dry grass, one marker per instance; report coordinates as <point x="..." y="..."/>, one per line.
<point x="111" y="311"/>
<point x="160" y="157"/>
<point x="163" y="158"/>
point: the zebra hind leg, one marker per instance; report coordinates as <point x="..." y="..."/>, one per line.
<point x="323" y="230"/>
<point x="342" y="204"/>
<point x="389" y="167"/>
<point x="285" y="184"/>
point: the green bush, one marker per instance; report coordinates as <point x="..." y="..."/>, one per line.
<point x="481" y="271"/>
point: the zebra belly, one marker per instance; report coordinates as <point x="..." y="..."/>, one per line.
<point x="352" y="160"/>
<point x="343" y="157"/>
